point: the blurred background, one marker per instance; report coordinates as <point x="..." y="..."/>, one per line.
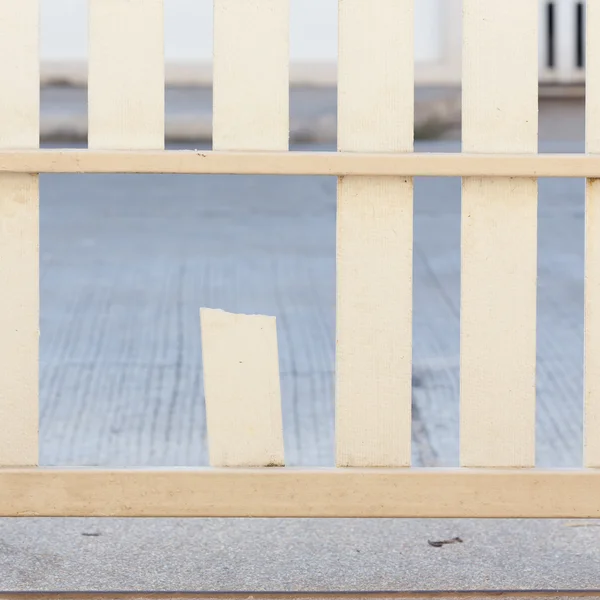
<point x="313" y="51"/>
<point x="313" y="43"/>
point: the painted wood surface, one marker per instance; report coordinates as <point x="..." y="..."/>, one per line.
<point x="126" y="98"/>
<point x="19" y="239"/>
<point x="592" y="245"/>
<point x="242" y="389"/>
<point x="289" y="492"/>
<point x="301" y="163"/>
<point x="251" y="75"/>
<point x="374" y="237"/>
<point x="499" y="238"/>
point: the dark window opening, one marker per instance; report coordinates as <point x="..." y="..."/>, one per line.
<point x="580" y="38"/>
<point x="550" y="37"/>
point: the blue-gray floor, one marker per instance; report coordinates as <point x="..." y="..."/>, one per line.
<point x="126" y="262"/>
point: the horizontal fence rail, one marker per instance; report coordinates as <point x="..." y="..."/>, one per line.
<point x="301" y="163"/>
<point x="375" y="164"/>
<point x="291" y="492"/>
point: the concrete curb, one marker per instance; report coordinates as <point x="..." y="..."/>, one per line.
<point x="432" y="119"/>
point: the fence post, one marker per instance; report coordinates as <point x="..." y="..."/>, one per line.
<point x="251" y="75"/>
<point x="592" y="245"/>
<point x="19" y="236"/>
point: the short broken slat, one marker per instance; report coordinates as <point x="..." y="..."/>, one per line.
<point x="126" y="74"/>
<point x="251" y="75"/>
<point x="19" y="236"/>
<point x="499" y="237"/>
<point x="592" y="245"/>
<point x="242" y="389"/>
<point x="374" y="237"/>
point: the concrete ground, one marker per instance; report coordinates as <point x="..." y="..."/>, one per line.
<point x="126" y="261"/>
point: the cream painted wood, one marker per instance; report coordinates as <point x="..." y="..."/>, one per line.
<point x="301" y="163"/>
<point x="289" y="492"/>
<point x="251" y="75"/>
<point x="242" y="389"/>
<point x="19" y="74"/>
<point x="499" y="237"/>
<point x="592" y="245"/>
<point x="374" y="237"/>
<point x="126" y="99"/>
<point x="19" y="238"/>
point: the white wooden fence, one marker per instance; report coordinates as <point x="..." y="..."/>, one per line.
<point x="375" y="165"/>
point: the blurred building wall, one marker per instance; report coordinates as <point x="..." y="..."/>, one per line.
<point x="313" y="44"/>
<point x="562" y="41"/>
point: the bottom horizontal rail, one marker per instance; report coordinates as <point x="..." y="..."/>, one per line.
<point x="291" y="492"/>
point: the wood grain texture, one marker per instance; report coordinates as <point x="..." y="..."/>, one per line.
<point x="374" y="237"/>
<point x="242" y="389"/>
<point x="19" y="74"/>
<point x="499" y="237"/>
<point x="19" y="237"/>
<point x="251" y="75"/>
<point x="126" y="98"/>
<point x="300" y="163"/>
<point x="288" y="492"/>
<point x="592" y="245"/>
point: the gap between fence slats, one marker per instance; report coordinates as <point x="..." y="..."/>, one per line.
<point x="250" y="112"/>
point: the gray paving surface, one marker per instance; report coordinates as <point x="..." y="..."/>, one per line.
<point x="292" y="555"/>
<point x="126" y="261"/>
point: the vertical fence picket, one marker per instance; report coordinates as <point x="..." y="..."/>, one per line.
<point x="19" y="236"/>
<point x="242" y="389"/>
<point x="126" y="74"/>
<point x="499" y="237"/>
<point x="592" y="245"/>
<point x="251" y="75"/>
<point x="374" y="237"/>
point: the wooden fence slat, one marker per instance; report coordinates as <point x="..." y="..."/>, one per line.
<point x="592" y="244"/>
<point x="499" y="237"/>
<point x="242" y="389"/>
<point x="251" y="75"/>
<point x="374" y="237"/>
<point x="19" y="238"/>
<point x="126" y="74"/>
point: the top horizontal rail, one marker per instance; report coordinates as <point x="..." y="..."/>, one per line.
<point x="300" y="163"/>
